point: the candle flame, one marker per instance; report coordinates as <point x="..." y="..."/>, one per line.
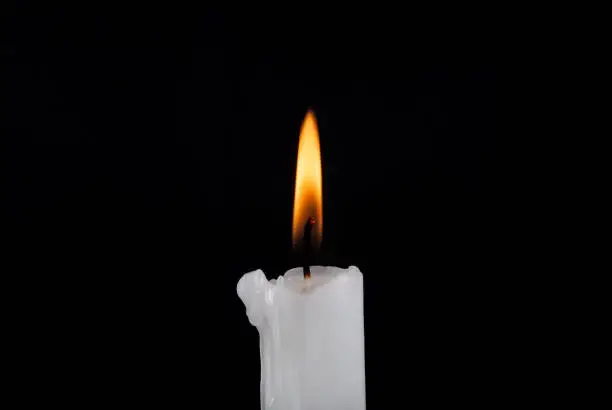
<point x="308" y="199"/>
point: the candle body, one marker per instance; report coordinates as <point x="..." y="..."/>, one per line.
<point x="311" y="338"/>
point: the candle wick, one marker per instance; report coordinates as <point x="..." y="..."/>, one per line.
<point x="308" y="246"/>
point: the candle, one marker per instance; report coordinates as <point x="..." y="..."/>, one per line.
<point x="310" y="320"/>
<point x="311" y="337"/>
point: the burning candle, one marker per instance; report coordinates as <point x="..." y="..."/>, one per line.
<point x="310" y="320"/>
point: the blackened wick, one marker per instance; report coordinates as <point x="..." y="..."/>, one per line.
<point x="308" y="246"/>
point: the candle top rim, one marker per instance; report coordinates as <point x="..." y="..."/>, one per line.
<point x="321" y="276"/>
<point x="259" y="294"/>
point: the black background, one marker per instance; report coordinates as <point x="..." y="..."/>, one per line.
<point x="151" y="161"/>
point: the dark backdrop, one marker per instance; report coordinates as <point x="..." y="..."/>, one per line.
<point x="151" y="161"/>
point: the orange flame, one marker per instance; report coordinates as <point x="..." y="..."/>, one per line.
<point x="308" y="199"/>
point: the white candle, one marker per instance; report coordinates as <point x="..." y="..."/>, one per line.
<point x="311" y="337"/>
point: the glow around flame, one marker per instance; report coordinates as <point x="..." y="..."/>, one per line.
<point x="308" y="199"/>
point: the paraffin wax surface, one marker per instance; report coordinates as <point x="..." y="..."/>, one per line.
<point x="311" y="337"/>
